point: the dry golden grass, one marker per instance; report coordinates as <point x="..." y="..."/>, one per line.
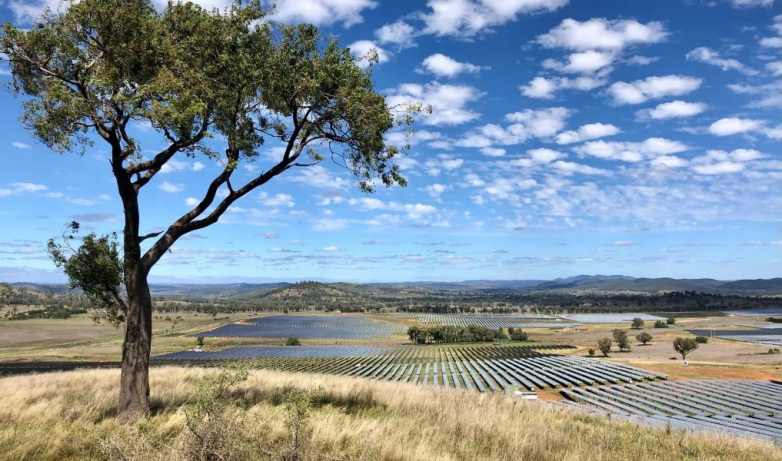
<point x="70" y="416"/>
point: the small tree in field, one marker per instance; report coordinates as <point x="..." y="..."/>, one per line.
<point x="671" y="321"/>
<point x="620" y="336"/>
<point x="638" y="322"/>
<point x="105" y="69"/>
<point x="605" y="346"/>
<point x="684" y="346"/>
<point x="643" y="337"/>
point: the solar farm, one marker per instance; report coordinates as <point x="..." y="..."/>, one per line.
<point x="488" y="321"/>
<point x="763" y="336"/>
<point x="593" y="384"/>
<point x="307" y="326"/>
<point x="742" y="407"/>
<point x="481" y="368"/>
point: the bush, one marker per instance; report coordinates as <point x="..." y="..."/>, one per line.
<point x="519" y="335"/>
<point x="591" y="352"/>
<point x="643" y="337"/>
<point x="200" y="341"/>
<point x="605" y="346"/>
<point x="701" y="339"/>
<point x="661" y="324"/>
<point x="671" y="320"/>
<point x="292" y="342"/>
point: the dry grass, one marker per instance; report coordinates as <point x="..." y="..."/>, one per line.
<point x="70" y="416"/>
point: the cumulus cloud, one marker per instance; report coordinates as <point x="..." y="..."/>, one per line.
<point x="448" y="101"/>
<point x="278" y="200"/>
<point x="731" y="126"/>
<point x="365" y="50"/>
<point x="641" y="91"/>
<point x="443" y="66"/>
<point x="321" y="12"/>
<point x="192" y="201"/>
<point x="470" y="17"/>
<point x="673" y="109"/>
<point x="171" y="188"/>
<point x="178" y="165"/>
<point x="569" y="168"/>
<point x="584" y="62"/>
<point x="526" y="124"/>
<point x="544" y="88"/>
<point x="602" y="34"/>
<point x="631" y="151"/>
<point x="750" y="3"/>
<point x="586" y="132"/>
<point x="709" y="56"/>
<point x="398" y="33"/>
<point x="717" y="162"/>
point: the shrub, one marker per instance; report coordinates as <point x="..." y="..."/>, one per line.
<point x="292" y="342"/>
<point x="200" y="341"/>
<point x="605" y="346"/>
<point x="591" y="352"/>
<point x="661" y="324"/>
<point x="519" y="335"/>
<point x="701" y="339"/>
<point x="671" y="320"/>
<point x="643" y="337"/>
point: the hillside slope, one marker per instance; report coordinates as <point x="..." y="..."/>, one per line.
<point x="64" y="416"/>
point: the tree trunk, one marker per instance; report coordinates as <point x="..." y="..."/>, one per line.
<point x="134" y="380"/>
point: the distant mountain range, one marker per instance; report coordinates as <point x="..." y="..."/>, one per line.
<point x="580" y="283"/>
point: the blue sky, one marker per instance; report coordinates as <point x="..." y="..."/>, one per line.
<point x="567" y="137"/>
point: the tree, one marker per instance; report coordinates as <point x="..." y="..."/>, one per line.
<point x="643" y="337"/>
<point x="292" y="342"/>
<point x="660" y="324"/>
<point x="671" y="320"/>
<point x="605" y="346"/>
<point x="684" y="346"/>
<point x="638" y="322"/>
<point x="99" y="68"/>
<point x="620" y="336"/>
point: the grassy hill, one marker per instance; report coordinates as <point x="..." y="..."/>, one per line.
<point x="63" y="416"/>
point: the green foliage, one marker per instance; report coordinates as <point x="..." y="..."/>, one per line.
<point x="644" y="337"/>
<point x="637" y="323"/>
<point x="605" y="346"/>
<point x="620" y="336"/>
<point x="451" y="334"/>
<point x="661" y="324"/>
<point x="519" y="335"/>
<point x="701" y="339"/>
<point x="292" y="342"/>
<point x="200" y="341"/>
<point x="671" y="320"/>
<point x="591" y="352"/>
<point x="96" y="268"/>
<point x="684" y="346"/>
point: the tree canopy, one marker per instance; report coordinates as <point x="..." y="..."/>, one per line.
<point x="98" y="70"/>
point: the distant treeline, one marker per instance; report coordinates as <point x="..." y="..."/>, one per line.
<point x="470" y="334"/>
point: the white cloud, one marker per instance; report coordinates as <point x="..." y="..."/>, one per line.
<point x="722" y="162"/>
<point x="448" y="101"/>
<point x="771" y="42"/>
<point x="529" y="123"/>
<point x="171" y="188"/>
<point x="586" y="132"/>
<point x="321" y="12"/>
<point x="443" y="66"/>
<point x="569" y="168"/>
<point x="709" y="56"/>
<point x="673" y="109"/>
<point x="398" y="33"/>
<point x="363" y="50"/>
<point x="318" y="176"/>
<point x="641" y="60"/>
<point x="331" y="249"/>
<point x="775" y="68"/>
<point x="750" y="3"/>
<point x="435" y="166"/>
<point x="731" y="126"/>
<point x="470" y="17"/>
<point x="584" y="62"/>
<point x="27" y="187"/>
<point x="192" y="201"/>
<point x="435" y="190"/>
<point x="652" y="88"/>
<point x="277" y="200"/>
<point x="631" y="151"/>
<point x="669" y="161"/>
<point x="602" y="34"/>
<point x="178" y="165"/>
<point x="544" y="88"/>
<point x="20" y="145"/>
